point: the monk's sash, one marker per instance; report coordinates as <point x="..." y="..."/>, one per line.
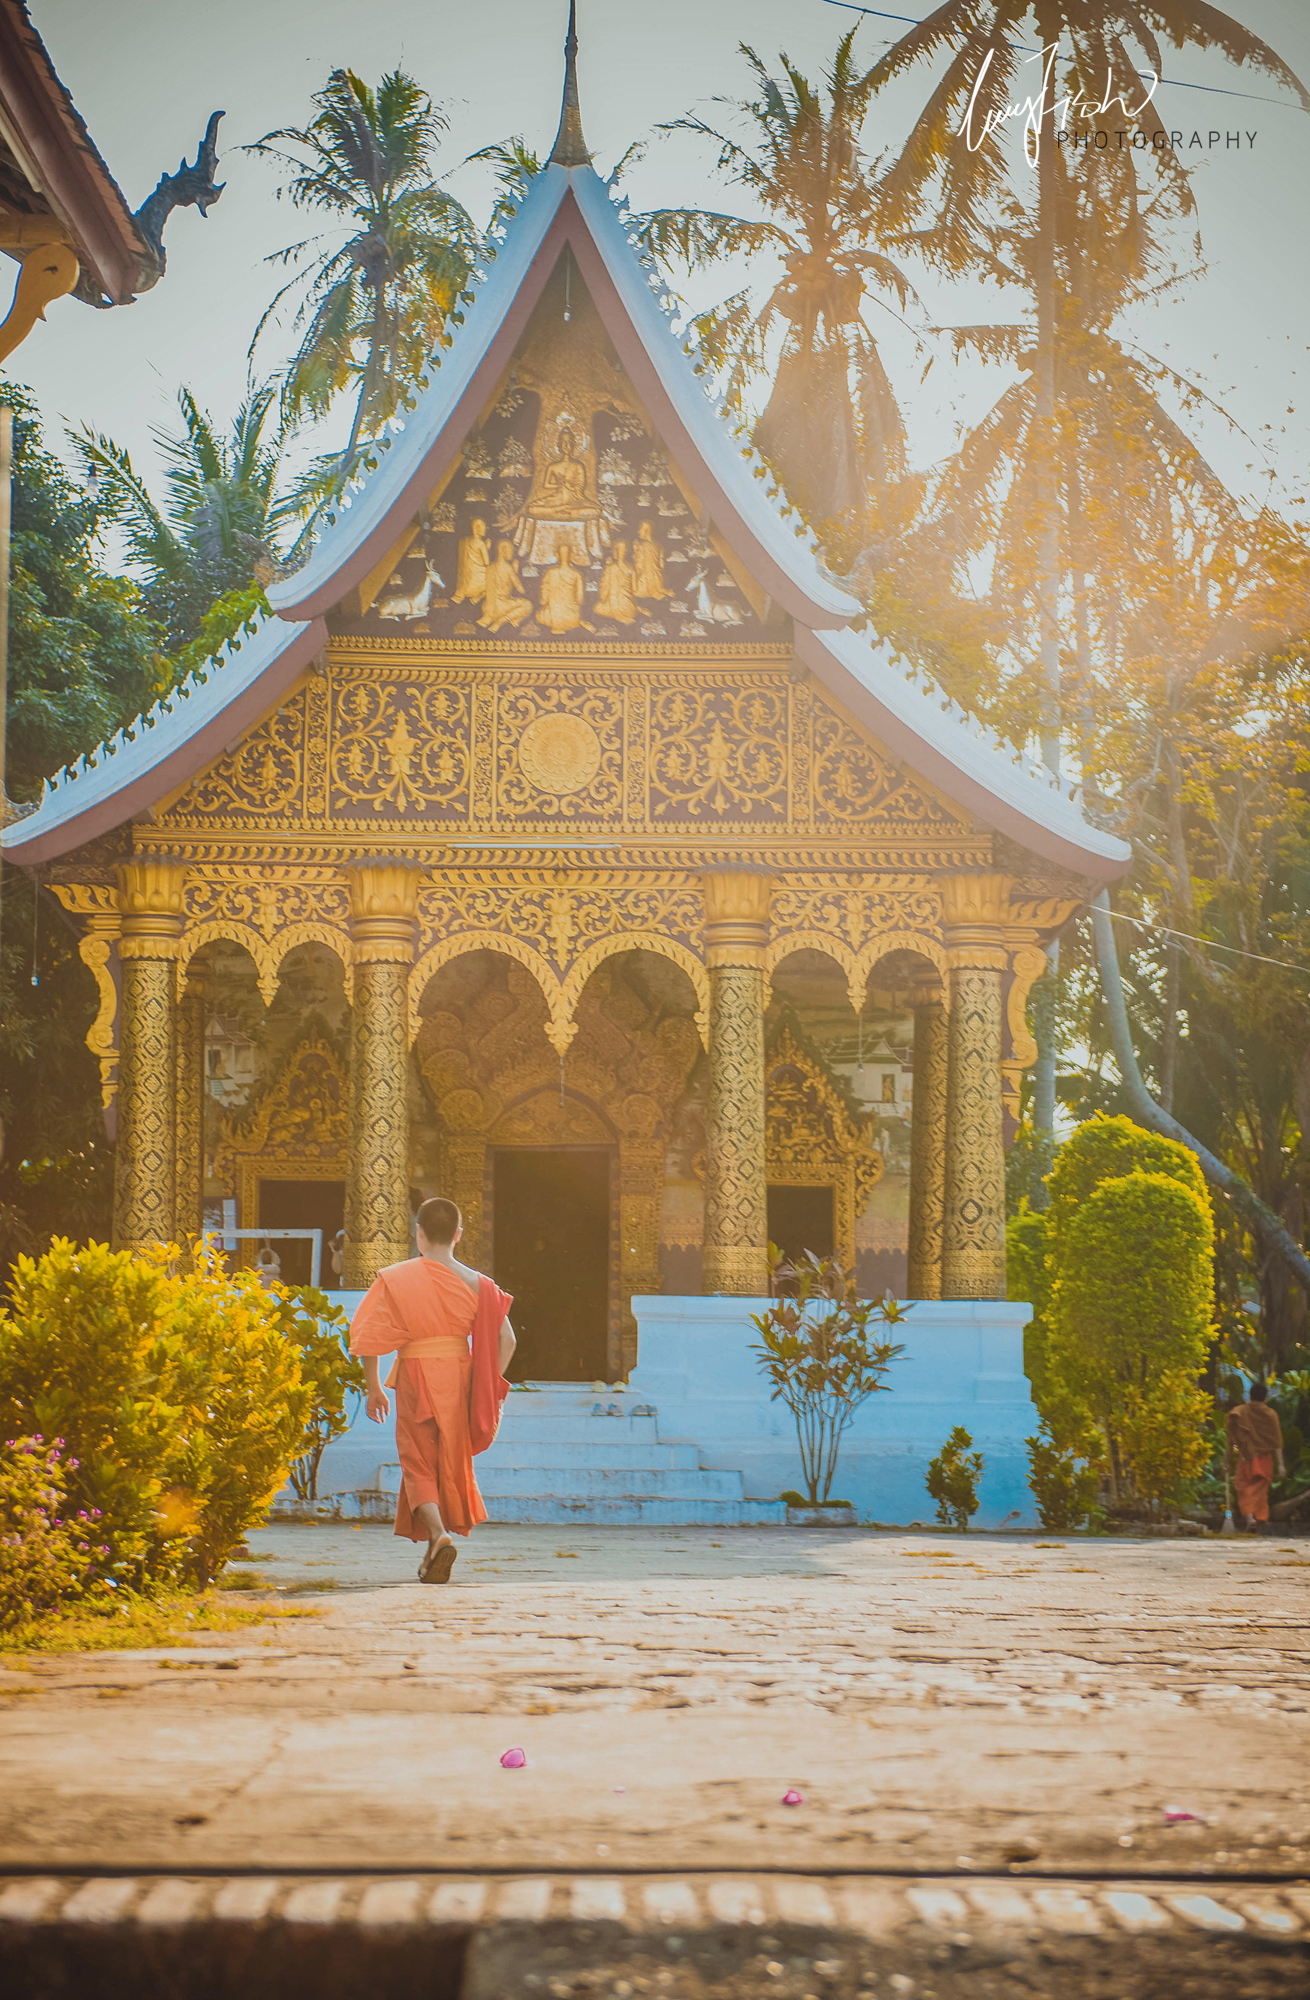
<point x="409" y="1286"/>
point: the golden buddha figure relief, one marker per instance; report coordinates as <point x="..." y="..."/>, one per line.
<point x="503" y="600"/>
<point x="563" y="507"/>
<point x="562" y="588"/>
<point x="474" y="556"/>
<point x="617" y="582"/>
<point x="648" y="564"/>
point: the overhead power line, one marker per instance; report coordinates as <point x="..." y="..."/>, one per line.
<point x="1146" y="75"/>
<point x="1211" y="944"/>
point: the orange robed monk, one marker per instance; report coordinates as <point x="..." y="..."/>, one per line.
<point x="1255" y="1438"/>
<point x="448" y="1328"/>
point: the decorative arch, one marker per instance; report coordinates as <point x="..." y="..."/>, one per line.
<point x="336" y="942"/>
<point x="930" y="948"/>
<point x="227" y="930"/>
<point x="460" y="946"/>
<point x="609" y="947"/>
<point x="781" y="949"/>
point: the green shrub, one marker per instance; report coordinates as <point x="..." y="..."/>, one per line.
<point x="1105" y="1149"/>
<point x="180" y="1396"/>
<point x="822" y="1360"/>
<point x="1131" y="1312"/>
<point x="953" y="1479"/>
<point x="1063" y="1480"/>
<point x="332" y="1374"/>
<point x="46" y="1557"/>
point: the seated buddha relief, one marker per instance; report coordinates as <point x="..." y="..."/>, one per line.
<point x="563" y="508"/>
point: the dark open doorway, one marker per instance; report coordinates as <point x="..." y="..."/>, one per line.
<point x="801" y="1219"/>
<point x="551" y="1225"/>
<point x="302" y="1205"/>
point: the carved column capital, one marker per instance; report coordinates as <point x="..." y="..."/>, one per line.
<point x="383" y="911"/>
<point x="975" y="909"/>
<point x="151" y="907"/>
<point x="736" y="916"/>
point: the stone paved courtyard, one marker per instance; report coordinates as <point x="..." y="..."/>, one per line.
<point x="945" y="1704"/>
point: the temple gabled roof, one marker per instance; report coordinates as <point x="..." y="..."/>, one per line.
<point x="567" y="207"/>
<point x="50" y="166"/>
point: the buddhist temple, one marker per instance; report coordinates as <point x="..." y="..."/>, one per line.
<point x="568" y="844"/>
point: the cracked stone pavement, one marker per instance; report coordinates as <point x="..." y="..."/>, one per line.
<point x="944" y="1704"/>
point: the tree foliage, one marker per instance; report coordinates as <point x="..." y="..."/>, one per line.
<point x="378" y="285"/>
<point x="832" y="427"/>
<point x="82" y="648"/>
<point x="201" y="553"/>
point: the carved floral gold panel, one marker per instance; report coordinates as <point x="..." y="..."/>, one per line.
<point x="718" y="750"/>
<point x="400" y="750"/>
<point x="853" y="782"/>
<point x="376" y="743"/>
<point x="258" y="783"/>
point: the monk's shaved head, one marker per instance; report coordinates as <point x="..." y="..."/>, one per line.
<point x="440" y="1221"/>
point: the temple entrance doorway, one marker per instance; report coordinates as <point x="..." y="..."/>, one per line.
<point x="801" y="1219"/>
<point x="551" y="1242"/>
<point x="303" y="1205"/>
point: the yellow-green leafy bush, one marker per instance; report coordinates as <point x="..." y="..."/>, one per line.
<point x="1074" y="1445"/>
<point x="1130" y="1323"/>
<point x="179" y="1394"/>
<point x="1105" y="1149"/>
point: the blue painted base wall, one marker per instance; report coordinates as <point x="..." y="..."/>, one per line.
<point x="963" y="1364"/>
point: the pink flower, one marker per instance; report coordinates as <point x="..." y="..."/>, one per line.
<point x="793" y="1798"/>
<point x="514" y="1760"/>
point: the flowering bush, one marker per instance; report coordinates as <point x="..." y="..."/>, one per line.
<point x="179" y="1392"/>
<point x="44" y="1558"/>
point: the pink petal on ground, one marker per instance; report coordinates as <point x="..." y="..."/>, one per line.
<point x="793" y="1798"/>
<point x="514" y="1760"/>
<point x="1175" y="1814"/>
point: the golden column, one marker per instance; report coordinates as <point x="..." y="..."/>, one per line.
<point x="190" y="1142"/>
<point x="736" y="1213"/>
<point x="150" y="902"/>
<point x="973" y="1222"/>
<point x="383" y="902"/>
<point x="927" y="1144"/>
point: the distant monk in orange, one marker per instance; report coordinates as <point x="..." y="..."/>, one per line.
<point x="1256" y="1436"/>
<point x="448" y="1328"/>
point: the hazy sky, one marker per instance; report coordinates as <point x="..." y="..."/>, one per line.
<point x="145" y="75"/>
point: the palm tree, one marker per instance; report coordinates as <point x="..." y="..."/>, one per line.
<point x="208" y="543"/>
<point x="831" y="428"/>
<point x="952" y="185"/>
<point x="379" y="286"/>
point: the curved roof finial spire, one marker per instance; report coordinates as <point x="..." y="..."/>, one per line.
<point x="570" y="148"/>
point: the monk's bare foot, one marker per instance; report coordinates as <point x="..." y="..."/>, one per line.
<point x="438" y="1562"/>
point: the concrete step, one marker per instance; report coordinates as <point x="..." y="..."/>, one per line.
<point x="563" y="1454"/>
<point x="580" y="1482"/>
<point x="528" y="1510"/>
<point x="576" y="1428"/>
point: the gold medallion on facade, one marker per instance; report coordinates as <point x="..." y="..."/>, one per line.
<point x="559" y="753"/>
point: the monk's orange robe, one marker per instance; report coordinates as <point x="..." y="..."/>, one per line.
<point x="425" y="1313"/>
<point x="1255" y="1435"/>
